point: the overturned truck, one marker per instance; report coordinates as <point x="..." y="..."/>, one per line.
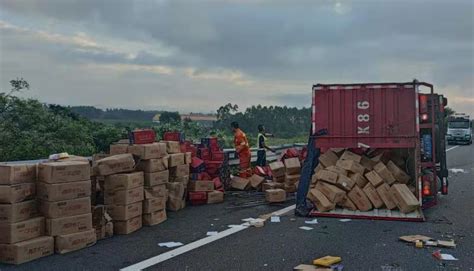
<point x="376" y="151"/>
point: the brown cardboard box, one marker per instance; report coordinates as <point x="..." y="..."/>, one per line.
<point x="175" y="204"/>
<point x="292" y="179"/>
<point x="359" y="179"/>
<point x="337" y="170"/>
<point x="348" y="155"/>
<point x="64" y="172"/>
<point x="128" y="226"/>
<point x="348" y="204"/>
<point x="26" y="251"/>
<point x="345" y="182"/>
<point x="124" y="197"/>
<point x="176" y="159"/>
<point x="118" y="149"/>
<point x="74" y="241"/>
<point x="154" y="165"/>
<point x="290" y="188"/>
<point x="115" y="164"/>
<point x="275" y="195"/>
<point x="404" y="198"/>
<point x="123" y="181"/>
<point x="17" y="173"/>
<point x="373" y="196"/>
<point x="188" y="158"/>
<point x="256" y="181"/>
<point x="384" y="192"/>
<point x="63" y="191"/>
<point x="125" y="212"/>
<point x="157" y="178"/>
<point x="327" y="176"/>
<point x="329" y="158"/>
<point x="68" y="224"/>
<point x="172" y="146"/>
<point x="320" y="201"/>
<point x="367" y="163"/>
<point x="100" y="233"/>
<point x="332" y="193"/>
<point x="176" y="190"/>
<point x="157" y="191"/>
<point x="151" y="205"/>
<point x="277" y="168"/>
<point x="55" y="209"/>
<point x="18" y="211"/>
<point x="383" y="172"/>
<point x="154" y="218"/>
<point x="201" y="186"/>
<point x="350" y="165"/>
<point x="215" y="197"/>
<point x="319" y="167"/>
<point x="184" y="180"/>
<point x="272" y="185"/>
<point x="279" y="179"/>
<point x="20" y="231"/>
<point x="359" y="198"/>
<point x="240" y="183"/>
<point x="98" y="215"/>
<point x="292" y="166"/>
<point x="109" y="229"/>
<point x="398" y="173"/>
<point x="17" y="192"/>
<point x="148" y="151"/>
<point x="338" y="151"/>
<point x="179" y="171"/>
<point x="374" y="178"/>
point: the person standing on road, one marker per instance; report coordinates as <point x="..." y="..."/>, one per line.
<point x="243" y="150"/>
<point x="262" y="146"/>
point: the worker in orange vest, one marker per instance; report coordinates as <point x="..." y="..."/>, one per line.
<point x="243" y="150"/>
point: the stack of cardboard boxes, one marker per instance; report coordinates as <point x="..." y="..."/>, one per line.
<point x="292" y="174"/>
<point x="358" y="182"/>
<point x="179" y="174"/>
<point x="63" y="191"/>
<point x="21" y="229"/>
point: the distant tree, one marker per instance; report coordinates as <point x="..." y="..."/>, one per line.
<point x="168" y="117"/>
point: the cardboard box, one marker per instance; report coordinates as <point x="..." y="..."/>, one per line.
<point x="151" y="205"/>
<point x="327" y="176"/>
<point x="123" y="181"/>
<point x="256" y="181"/>
<point x="320" y="201"/>
<point x="188" y="158"/>
<point x="292" y="166"/>
<point x="350" y="165"/>
<point x="367" y="163"/>
<point x="157" y="178"/>
<point x="148" y="151"/>
<point x="176" y="159"/>
<point x="332" y="193"/>
<point x="109" y="229"/>
<point x="98" y="215"/>
<point x="128" y="226"/>
<point x="63" y="191"/>
<point x="176" y="190"/>
<point x="240" y="183"/>
<point x="215" y="197"/>
<point x="279" y="179"/>
<point x="125" y="212"/>
<point x="329" y="158"/>
<point x="100" y="233"/>
<point x="55" y="209"/>
<point x="201" y="186"/>
<point x="172" y="147"/>
<point x="74" y="241"/>
<point x="118" y="149"/>
<point x="26" y="251"/>
<point x="154" y="218"/>
<point x="359" y="179"/>
<point x="275" y="195"/>
<point x="345" y="182"/>
<point x="272" y="185"/>
<point x="373" y="196"/>
<point x="292" y="179"/>
<point x="383" y="172"/>
<point x="115" y="164"/>
<point x="348" y="155"/>
<point x="384" y="192"/>
<point x="124" y="197"/>
<point x="337" y="170"/>
<point x="374" y="178"/>
<point x="184" y="180"/>
<point x="64" y="172"/>
<point x="154" y="165"/>
<point x="17" y="173"/>
<point x="20" y="231"/>
<point x="68" y="224"/>
<point x="18" y="211"/>
<point x="338" y="151"/>
<point x="290" y="188"/>
<point x="347" y="204"/>
<point x="278" y="169"/>
<point x="359" y="198"/>
<point x="179" y="171"/>
<point x="175" y="204"/>
<point x="319" y="167"/>
<point x="404" y="198"/>
<point x="17" y="192"/>
<point x="398" y="173"/>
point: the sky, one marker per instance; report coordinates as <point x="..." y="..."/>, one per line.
<point x="193" y="56"/>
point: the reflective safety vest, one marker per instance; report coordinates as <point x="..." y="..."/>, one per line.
<point x="263" y="138"/>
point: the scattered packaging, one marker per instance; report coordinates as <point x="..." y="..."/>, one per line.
<point x="332" y="193"/>
<point x="345" y="182"/>
<point x="18" y="211"/>
<point x="153" y="204"/>
<point x="278" y="169"/>
<point x="176" y="159"/>
<point x="359" y="179"/>
<point x="158" y="190"/>
<point x="175" y="204"/>
<point x="290" y="188"/>
<point x="384" y="192"/>
<point x="115" y="164"/>
<point x="179" y="171"/>
<point x="350" y="165"/>
<point x="17" y="173"/>
<point x="318" y="168"/>
<point x="348" y="204"/>
<point x="118" y="149"/>
<point x="148" y="151"/>
<point x="367" y="163"/>
<point x="63" y="191"/>
<point x="239" y="183"/>
<point x="26" y="251"/>
<point x="172" y="147"/>
<point x="128" y="226"/>
<point x="404" y="198"/>
<point x="256" y="181"/>
<point x="275" y="195"/>
<point x="124" y="197"/>
<point x="292" y="166"/>
<point x="176" y="190"/>
<point x="398" y="173"/>
<point x="74" y="241"/>
<point x="201" y="186"/>
<point x="215" y="197"/>
<point x="374" y="178"/>
<point x="63" y="172"/>
<point x="17" y="192"/>
<point x="154" y="218"/>
<point x="337" y="170"/>
<point x="359" y="198"/>
<point x="123" y="181"/>
<point x="373" y="196"/>
<point x="184" y="180"/>
<point x="329" y="158"/>
<point x="157" y="178"/>
<point x="125" y="212"/>
<point x="279" y="179"/>
<point x="320" y="201"/>
<point x="154" y="165"/>
<point x="327" y="176"/>
<point x="272" y="185"/>
<point x="68" y="224"/>
<point x="292" y="179"/>
<point x="327" y="261"/>
<point x="55" y="209"/>
<point x="188" y="158"/>
<point x="20" y="231"/>
<point x="348" y="155"/>
<point x="383" y="171"/>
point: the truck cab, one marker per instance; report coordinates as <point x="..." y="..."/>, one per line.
<point x="459" y="129"/>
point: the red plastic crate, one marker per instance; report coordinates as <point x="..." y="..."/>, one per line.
<point x="217" y="182"/>
<point x="182" y="147"/>
<point x="173" y="136"/>
<point x="217" y="156"/>
<point x="197" y="198"/>
<point x="204" y="153"/>
<point x="215" y="148"/>
<point x="144" y="136"/>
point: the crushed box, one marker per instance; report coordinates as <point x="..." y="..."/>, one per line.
<point x="17" y="192"/>
<point x="125" y="212"/>
<point x="115" y="164"/>
<point x="345" y="182"/>
<point x="63" y="172"/>
<point x="359" y="198"/>
<point x="148" y="151"/>
<point x="123" y="181"/>
<point x="20" y="231"/>
<point x="156" y="178"/>
<point x="68" y="224"/>
<point x="350" y="165"/>
<point x="176" y="159"/>
<point x="175" y="204"/>
<point x="63" y="191"/>
<point x="327" y="176"/>
<point x="292" y="165"/>
<point x="256" y="181"/>
<point x="239" y="183"/>
<point x="404" y="198"/>
<point x="348" y="204"/>
<point x="26" y="251"/>
<point x="275" y="195"/>
<point x="400" y="175"/>
<point x="278" y="169"/>
<point x="128" y="226"/>
<point x="154" y="218"/>
<point x="154" y="165"/>
<point x="359" y="179"/>
<point x="17" y="173"/>
<point x="74" y="241"/>
<point x="374" y="178"/>
<point x="215" y="197"/>
<point x="332" y="193"/>
<point x="124" y="197"/>
<point x="201" y="186"/>
<point x="18" y="211"/>
<point x="383" y="172"/>
<point x="329" y="158"/>
<point x="55" y="209"/>
<point x="348" y="155"/>
<point x="321" y="202"/>
<point x="373" y="196"/>
<point x="337" y="170"/>
<point x="384" y="192"/>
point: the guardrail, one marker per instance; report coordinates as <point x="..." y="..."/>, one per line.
<point x="270" y="155"/>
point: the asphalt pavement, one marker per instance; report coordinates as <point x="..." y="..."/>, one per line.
<point x="362" y="244"/>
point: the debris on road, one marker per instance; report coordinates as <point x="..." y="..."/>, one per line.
<point x="327" y="261"/>
<point x="306" y="228"/>
<point x="211" y="233"/>
<point x="309" y="267"/>
<point x="445" y="257"/>
<point x="170" y="244"/>
<point x="414" y="238"/>
<point x="314" y="221"/>
<point x="457" y="170"/>
<point x="427" y="241"/>
<point x="345" y="220"/>
<point x="275" y="219"/>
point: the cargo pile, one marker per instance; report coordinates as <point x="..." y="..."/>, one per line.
<point x="358" y="182"/>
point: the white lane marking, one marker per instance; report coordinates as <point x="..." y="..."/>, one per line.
<point x="199" y="243"/>
<point x="452" y="148"/>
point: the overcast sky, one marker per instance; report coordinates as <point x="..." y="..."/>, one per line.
<point x="197" y="55"/>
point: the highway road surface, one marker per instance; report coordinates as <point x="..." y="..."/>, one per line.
<point x="362" y="244"/>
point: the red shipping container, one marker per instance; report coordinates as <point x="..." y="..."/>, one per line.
<point x="144" y="136"/>
<point x="217" y="156"/>
<point x="197" y="198"/>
